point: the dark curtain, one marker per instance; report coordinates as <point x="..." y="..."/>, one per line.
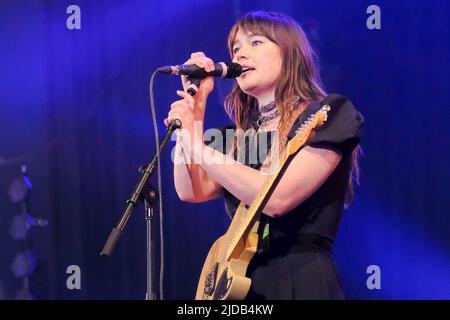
<point x="75" y="110"/>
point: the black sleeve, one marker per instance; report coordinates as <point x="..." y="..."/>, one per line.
<point x="220" y="139"/>
<point x="342" y="130"/>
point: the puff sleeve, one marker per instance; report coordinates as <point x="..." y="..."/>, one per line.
<point x="342" y="130"/>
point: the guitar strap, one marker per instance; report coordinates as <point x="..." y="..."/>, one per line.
<point x="264" y="225"/>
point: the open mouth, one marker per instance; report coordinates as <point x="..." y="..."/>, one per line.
<point x="244" y="70"/>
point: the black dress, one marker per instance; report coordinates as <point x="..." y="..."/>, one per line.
<point x="295" y="257"/>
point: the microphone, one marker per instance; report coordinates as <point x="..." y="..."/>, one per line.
<point x="222" y="70"/>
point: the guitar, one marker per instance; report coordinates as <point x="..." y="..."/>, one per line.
<point x="223" y="276"/>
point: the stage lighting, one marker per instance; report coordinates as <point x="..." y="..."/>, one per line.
<point x="20" y="187"/>
<point x="22" y="223"/>
<point x="24" y="264"/>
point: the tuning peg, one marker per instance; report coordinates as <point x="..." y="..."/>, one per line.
<point x="326" y="108"/>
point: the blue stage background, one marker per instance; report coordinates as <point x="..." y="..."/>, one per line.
<point x="75" y="110"/>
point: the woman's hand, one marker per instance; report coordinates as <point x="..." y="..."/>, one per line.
<point x="206" y="84"/>
<point x="191" y="119"/>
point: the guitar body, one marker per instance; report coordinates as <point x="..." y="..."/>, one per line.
<point x="223" y="278"/>
<point x="223" y="275"/>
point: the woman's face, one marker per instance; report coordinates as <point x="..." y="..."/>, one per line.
<point x="263" y="58"/>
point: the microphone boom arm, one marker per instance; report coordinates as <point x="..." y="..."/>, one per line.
<point x="146" y="174"/>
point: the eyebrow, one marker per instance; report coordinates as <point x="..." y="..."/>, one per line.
<point x="250" y="36"/>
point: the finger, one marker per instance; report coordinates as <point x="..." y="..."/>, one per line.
<point x="187" y="98"/>
<point x="201" y="62"/>
<point x="198" y="62"/>
<point x="197" y="54"/>
<point x="172" y="114"/>
<point x="209" y="64"/>
<point x="167" y="122"/>
<point x="205" y="63"/>
<point x="179" y="103"/>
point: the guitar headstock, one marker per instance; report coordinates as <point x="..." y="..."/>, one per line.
<point x="303" y="132"/>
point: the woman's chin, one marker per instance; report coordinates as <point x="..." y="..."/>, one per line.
<point x="248" y="88"/>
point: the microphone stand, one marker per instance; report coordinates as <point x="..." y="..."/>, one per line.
<point x="149" y="200"/>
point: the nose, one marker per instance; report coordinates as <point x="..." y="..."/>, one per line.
<point x="241" y="55"/>
<point x="239" y="58"/>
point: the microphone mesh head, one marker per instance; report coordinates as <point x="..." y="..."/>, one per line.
<point x="234" y="70"/>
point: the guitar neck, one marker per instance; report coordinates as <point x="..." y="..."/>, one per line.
<point x="291" y="149"/>
<point x="258" y="204"/>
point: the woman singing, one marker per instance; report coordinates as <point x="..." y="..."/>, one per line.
<point x="280" y="88"/>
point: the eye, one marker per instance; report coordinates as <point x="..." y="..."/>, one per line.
<point x="256" y="42"/>
<point x="235" y="50"/>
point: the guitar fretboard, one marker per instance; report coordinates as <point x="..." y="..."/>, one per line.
<point x="291" y="148"/>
